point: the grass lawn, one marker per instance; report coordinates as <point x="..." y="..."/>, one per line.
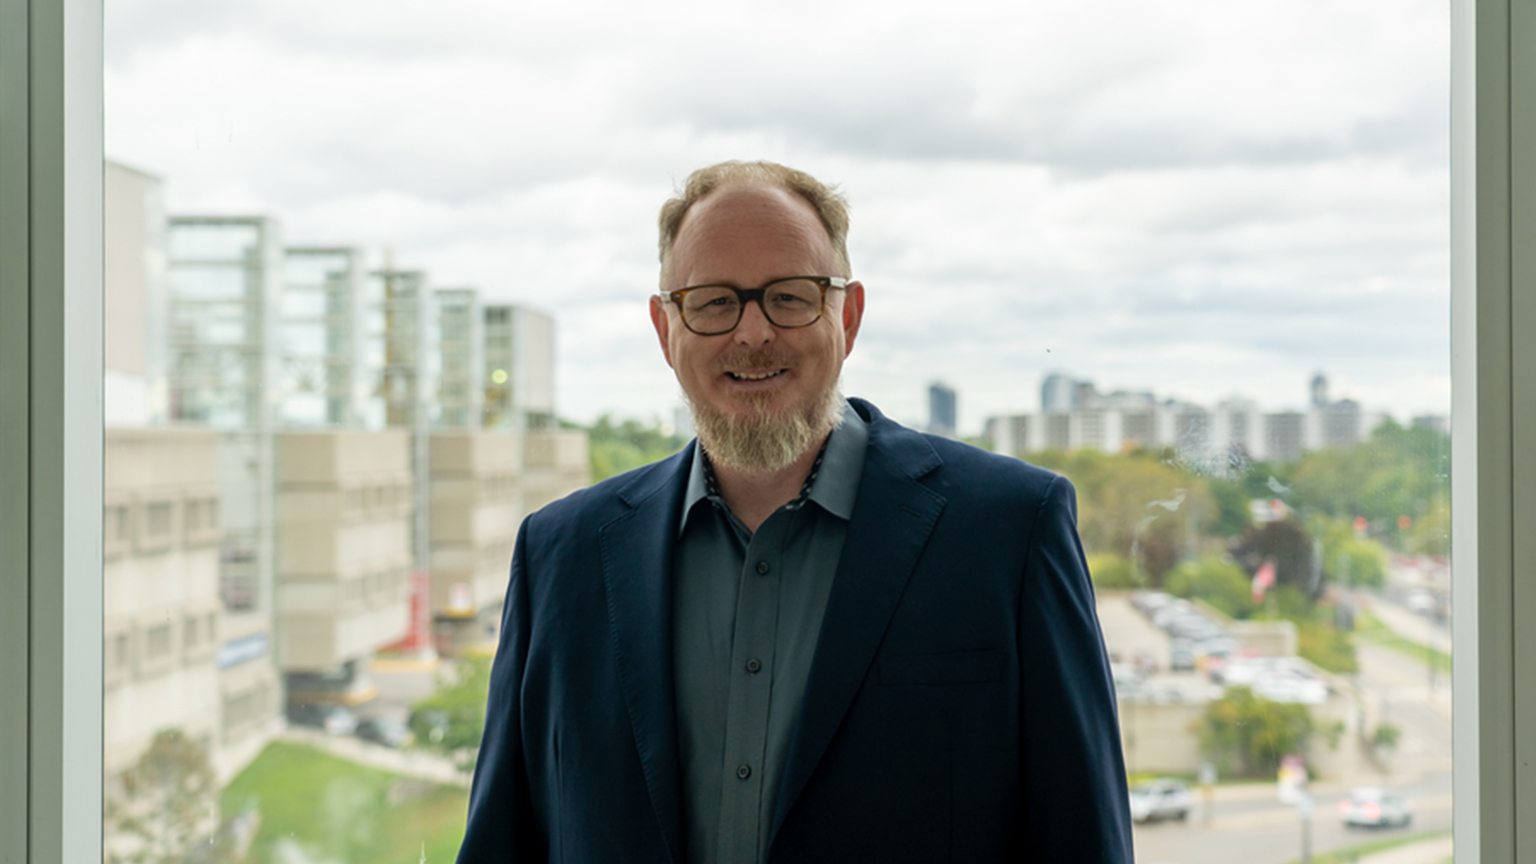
<point x="346" y="813"/>
<point x="1369" y="629"/>
<point x="1355" y="853"/>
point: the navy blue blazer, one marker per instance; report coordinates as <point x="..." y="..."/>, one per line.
<point x="959" y="706"/>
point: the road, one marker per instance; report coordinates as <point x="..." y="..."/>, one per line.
<point x="1248" y="825"/>
<point x="1267" y="832"/>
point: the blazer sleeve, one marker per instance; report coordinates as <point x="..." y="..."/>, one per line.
<point x="1074" y="803"/>
<point x="501" y="826"/>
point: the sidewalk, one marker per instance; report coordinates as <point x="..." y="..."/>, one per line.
<point x="1435" y="851"/>
<point x="410" y="763"/>
<point x="1410" y="626"/>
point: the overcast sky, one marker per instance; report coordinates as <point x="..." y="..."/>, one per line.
<point x="1195" y="197"/>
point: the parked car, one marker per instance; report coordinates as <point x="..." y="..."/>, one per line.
<point x="1145" y="662"/>
<point x="334" y="719"/>
<point x="385" y="730"/>
<point x="1160" y="799"/>
<point x="1150" y="601"/>
<point x="1181" y="656"/>
<point x="1370" y="807"/>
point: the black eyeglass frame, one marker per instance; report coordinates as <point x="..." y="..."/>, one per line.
<point x="743" y="295"/>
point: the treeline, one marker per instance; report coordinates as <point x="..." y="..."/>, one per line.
<point x="1150" y="520"/>
<point x="616" y="446"/>
<point x="1153" y="510"/>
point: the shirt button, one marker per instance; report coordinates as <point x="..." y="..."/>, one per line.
<point x="743" y="770"/>
<point x="754" y="665"/>
<point x="762" y="568"/>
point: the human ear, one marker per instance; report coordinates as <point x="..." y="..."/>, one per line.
<point x="663" y="324"/>
<point x="853" y="314"/>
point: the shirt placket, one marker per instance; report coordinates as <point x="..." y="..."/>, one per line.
<point x="751" y="691"/>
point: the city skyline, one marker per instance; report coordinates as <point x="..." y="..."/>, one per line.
<point x="1215" y="213"/>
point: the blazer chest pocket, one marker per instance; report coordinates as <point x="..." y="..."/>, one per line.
<point x="957" y="667"/>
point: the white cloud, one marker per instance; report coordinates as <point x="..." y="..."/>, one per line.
<point x="1190" y="197"/>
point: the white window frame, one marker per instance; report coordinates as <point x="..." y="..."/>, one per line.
<point x="51" y="429"/>
<point x="1493" y="433"/>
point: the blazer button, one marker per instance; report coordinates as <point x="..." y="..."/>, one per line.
<point x="754" y="665"/>
<point x="762" y="568"/>
<point x="743" y="770"/>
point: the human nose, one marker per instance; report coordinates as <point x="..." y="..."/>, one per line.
<point x="754" y="328"/>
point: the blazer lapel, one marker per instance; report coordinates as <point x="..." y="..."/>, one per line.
<point x="637" y="570"/>
<point x="892" y="519"/>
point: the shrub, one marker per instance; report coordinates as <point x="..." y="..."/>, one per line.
<point x="1245" y="735"/>
<point x="1110" y="571"/>
<point x="1217" y="581"/>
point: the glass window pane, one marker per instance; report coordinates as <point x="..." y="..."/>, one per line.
<point x="1197" y="265"/>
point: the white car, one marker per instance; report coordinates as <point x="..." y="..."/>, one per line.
<point x="1160" y="799"/>
<point x="1370" y="807"/>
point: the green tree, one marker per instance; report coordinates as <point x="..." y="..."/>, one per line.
<point x="1348" y="559"/>
<point x="166" y="806"/>
<point x="1232" y="514"/>
<point x="1136" y="505"/>
<point x="618" y="446"/>
<point x="1217" y="581"/>
<point x="1245" y="735"/>
<point x="452" y="719"/>
<point x="1430" y="534"/>
<point x="1110" y="571"/>
<point x="1288" y="545"/>
<point x="1398" y="471"/>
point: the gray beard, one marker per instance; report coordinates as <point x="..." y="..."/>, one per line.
<point x="760" y="442"/>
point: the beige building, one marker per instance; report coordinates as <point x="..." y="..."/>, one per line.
<point x="160" y="579"/>
<point x="476" y="509"/>
<point x="555" y="464"/>
<point x="344" y="513"/>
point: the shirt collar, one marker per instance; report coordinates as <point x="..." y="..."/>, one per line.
<point x="833" y="482"/>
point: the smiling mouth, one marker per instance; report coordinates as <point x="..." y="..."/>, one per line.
<point x="755" y="376"/>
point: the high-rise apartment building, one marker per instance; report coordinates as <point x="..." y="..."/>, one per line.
<point x="1220" y="439"/>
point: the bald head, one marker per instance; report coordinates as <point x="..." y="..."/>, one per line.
<point x="826" y="204"/>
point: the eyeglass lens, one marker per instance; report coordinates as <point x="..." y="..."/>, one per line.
<point x="791" y="303"/>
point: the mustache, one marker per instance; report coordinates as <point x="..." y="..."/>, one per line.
<point x="755" y="358"/>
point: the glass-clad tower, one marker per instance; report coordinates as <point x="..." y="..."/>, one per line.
<point x="461" y="390"/>
<point x="323" y="361"/>
<point x="223" y="290"/>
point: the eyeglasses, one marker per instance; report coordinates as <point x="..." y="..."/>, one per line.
<point x="798" y="301"/>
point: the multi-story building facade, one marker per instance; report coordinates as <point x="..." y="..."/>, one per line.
<point x="1231" y="434"/>
<point x="160" y="582"/>
<point x="555" y="464"/>
<point x="461" y="332"/>
<point x="273" y="473"/>
<point x="134" y="382"/>
<point x="324" y="365"/>
<point x="220" y="318"/>
<point x="345" y="507"/>
<point x="476" y="509"/>
<point x="519" y="368"/>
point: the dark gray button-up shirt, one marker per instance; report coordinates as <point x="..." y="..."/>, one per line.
<point x="747" y="609"/>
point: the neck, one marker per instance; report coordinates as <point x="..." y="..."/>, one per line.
<point x="754" y="495"/>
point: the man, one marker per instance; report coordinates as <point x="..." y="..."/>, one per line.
<point x="813" y="634"/>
